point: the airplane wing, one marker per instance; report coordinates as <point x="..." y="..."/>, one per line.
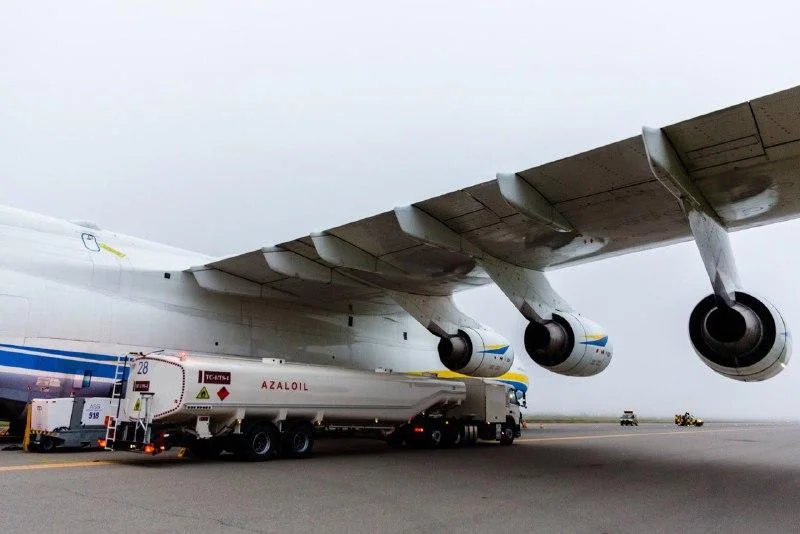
<point x="745" y="159"/>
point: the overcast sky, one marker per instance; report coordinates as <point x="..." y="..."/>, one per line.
<point x="222" y="127"/>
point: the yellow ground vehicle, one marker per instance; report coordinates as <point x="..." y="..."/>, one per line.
<point x="687" y="419"/>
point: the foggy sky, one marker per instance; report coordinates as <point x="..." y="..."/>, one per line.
<point x="223" y="127"/>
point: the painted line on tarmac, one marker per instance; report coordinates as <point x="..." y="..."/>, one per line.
<point x="611" y="436"/>
<point x="61" y="465"/>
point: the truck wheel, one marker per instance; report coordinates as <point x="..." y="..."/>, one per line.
<point x="260" y="443"/>
<point x="455" y="437"/>
<point x="298" y="442"/>
<point x="506" y="435"/>
<point x="435" y="437"/>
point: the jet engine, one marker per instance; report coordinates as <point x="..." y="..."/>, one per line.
<point x="748" y="341"/>
<point x="569" y="345"/>
<point x="481" y="353"/>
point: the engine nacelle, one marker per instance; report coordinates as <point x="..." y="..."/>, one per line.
<point x="749" y="341"/>
<point x="569" y="345"/>
<point x="480" y="353"/>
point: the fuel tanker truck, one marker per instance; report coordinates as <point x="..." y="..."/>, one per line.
<point x="258" y="409"/>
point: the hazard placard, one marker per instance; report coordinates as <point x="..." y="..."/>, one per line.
<point x="203" y="395"/>
<point x="137" y="405"/>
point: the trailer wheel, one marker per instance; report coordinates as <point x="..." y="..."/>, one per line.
<point x="298" y="442"/>
<point x="260" y="443"/>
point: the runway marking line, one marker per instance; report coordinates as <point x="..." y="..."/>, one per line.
<point x="610" y="436"/>
<point x="61" y="465"/>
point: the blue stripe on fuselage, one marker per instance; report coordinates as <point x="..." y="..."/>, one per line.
<point x="58" y="352"/>
<point x="54" y="364"/>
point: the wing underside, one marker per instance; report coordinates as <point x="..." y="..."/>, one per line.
<point x="745" y="159"/>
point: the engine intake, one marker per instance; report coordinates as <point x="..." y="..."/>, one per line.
<point x="480" y="353"/>
<point x="748" y="341"/>
<point x="569" y="345"/>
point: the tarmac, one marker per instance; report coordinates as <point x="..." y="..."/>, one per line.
<point x="558" y="478"/>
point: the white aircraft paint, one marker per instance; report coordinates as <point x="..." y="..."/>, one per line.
<point x="74" y="297"/>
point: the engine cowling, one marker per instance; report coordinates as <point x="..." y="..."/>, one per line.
<point x="480" y="353"/>
<point x="749" y="341"/>
<point x="569" y="345"/>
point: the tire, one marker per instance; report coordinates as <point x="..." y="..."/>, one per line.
<point x="435" y="437"/>
<point x="260" y="443"/>
<point x="455" y="437"/>
<point x="506" y="435"/>
<point x="298" y="442"/>
<point x="46" y="445"/>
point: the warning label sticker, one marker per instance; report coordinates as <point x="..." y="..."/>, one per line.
<point x="203" y="395"/>
<point x="137" y="405"/>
